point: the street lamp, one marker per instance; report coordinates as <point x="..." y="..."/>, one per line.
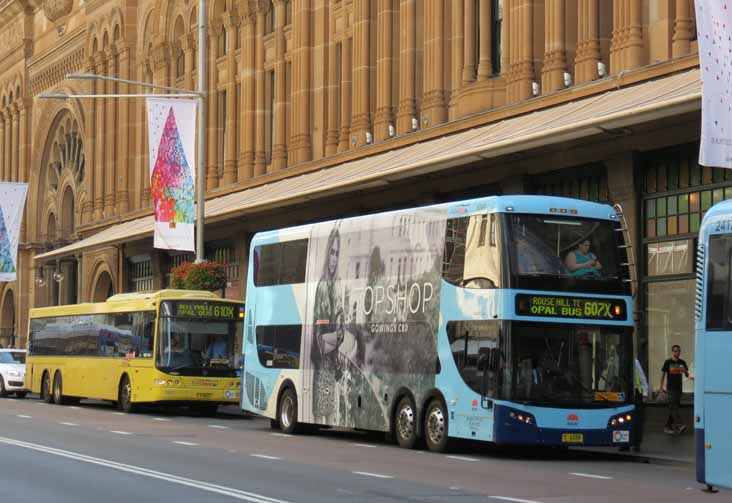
<point x="200" y="95"/>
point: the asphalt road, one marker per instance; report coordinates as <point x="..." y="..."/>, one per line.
<point x="93" y="453"/>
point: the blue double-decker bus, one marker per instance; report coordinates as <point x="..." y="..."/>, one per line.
<point x="503" y="319"/>
<point x="713" y="386"/>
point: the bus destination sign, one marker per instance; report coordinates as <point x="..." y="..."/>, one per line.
<point x="205" y="310"/>
<point x="555" y="306"/>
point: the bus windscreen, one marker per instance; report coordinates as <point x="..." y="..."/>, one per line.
<point x="563" y="247"/>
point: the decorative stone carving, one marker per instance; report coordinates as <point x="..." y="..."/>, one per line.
<point x="55" y="9"/>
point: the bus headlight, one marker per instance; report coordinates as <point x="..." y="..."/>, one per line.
<point x="620" y="419"/>
<point x="521" y="417"/>
<point x="161" y="382"/>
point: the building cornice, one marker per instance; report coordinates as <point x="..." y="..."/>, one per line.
<point x="48" y="69"/>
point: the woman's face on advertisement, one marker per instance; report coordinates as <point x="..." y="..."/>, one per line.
<point x="333" y="256"/>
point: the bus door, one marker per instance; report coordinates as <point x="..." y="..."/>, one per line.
<point x="717" y="385"/>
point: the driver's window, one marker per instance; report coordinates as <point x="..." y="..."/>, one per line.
<point x="472" y="252"/>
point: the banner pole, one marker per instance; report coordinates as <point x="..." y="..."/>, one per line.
<point x="201" y="154"/>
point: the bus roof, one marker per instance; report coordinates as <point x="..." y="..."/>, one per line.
<point x="521" y="204"/>
<point x="717" y="212"/>
<point x="127" y="302"/>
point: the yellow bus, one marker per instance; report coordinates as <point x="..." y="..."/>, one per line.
<point x="176" y="347"/>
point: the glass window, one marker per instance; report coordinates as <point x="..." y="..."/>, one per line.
<point x="475" y="351"/>
<point x="278" y="346"/>
<point x="12" y="357"/>
<point x="280" y="263"/>
<point x="563" y="246"/>
<point x="670" y="257"/>
<point x="669" y="321"/>
<point x="719" y="299"/>
<point x="571" y="364"/>
<point x="472" y="257"/>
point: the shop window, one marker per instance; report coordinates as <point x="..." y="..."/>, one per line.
<point x="670" y="257"/>
<point x="581" y="182"/>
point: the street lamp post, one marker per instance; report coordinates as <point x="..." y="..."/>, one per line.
<point x="200" y="95"/>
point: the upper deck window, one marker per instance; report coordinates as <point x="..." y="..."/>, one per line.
<point x="719" y="297"/>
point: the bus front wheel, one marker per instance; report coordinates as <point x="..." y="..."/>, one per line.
<point x="124" y="401"/>
<point x="435" y="427"/>
<point x="287" y="412"/>
<point x="405" y="423"/>
<point x="46" y="395"/>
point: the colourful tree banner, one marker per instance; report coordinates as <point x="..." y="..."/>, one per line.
<point x="171" y="137"/>
<point x="12" y="202"/>
<point x="714" y="32"/>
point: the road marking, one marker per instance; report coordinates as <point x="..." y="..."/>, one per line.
<point x="118" y="432"/>
<point x="264" y="456"/>
<point x="517" y="500"/>
<point x="589" y="475"/>
<point x="168" y="477"/>
<point x="218" y="427"/>
<point x="364" y="445"/>
<point x="461" y="458"/>
<point x="283" y="435"/>
<point x="180" y="442"/>
<point x="74" y="407"/>
<point x="377" y="475"/>
<point x="118" y="413"/>
<point x="161" y="419"/>
<point x="69" y="424"/>
<point x="23" y="416"/>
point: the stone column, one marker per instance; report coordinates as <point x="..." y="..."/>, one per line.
<point x="626" y="50"/>
<point x="485" y="67"/>
<point x="89" y="146"/>
<point x="458" y="40"/>
<point x="361" y="72"/>
<point x="99" y="142"/>
<point x="247" y="70"/>
<point x="384" y="61"/>
<point x="469" y="67"/>
<point x="111" y="129"/>
<point x="23" y="163"/>
<point x="683" y="29"/>
<point x="635" y="35"/>
<point x="301" y="142"/>
<point x="15" y="144"/>
<point x="522" y="62"/>
<point x="2" y="147"/>
<point x="331" y="139"/>
<point x="407" y="60"/>
<point x="8" y="152"/>
<point x="231" y="118"/>
<point x="506" y="38"/>
<point x="279" y="142"/>
<point x="552" y="78"/>
<point x="434" y="109"/>
<point x="260" y="157"/>
<point x="187" y="45"/>
<point x="123" y="147"/>
<point x="588" y="42"/>
<point x="346" y="76"/>
<point x="212" y="168"/>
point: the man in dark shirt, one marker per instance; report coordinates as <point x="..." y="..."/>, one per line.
<point x="674" y="367"/>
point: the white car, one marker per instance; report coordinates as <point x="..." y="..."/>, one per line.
<point x="12" y="372"/>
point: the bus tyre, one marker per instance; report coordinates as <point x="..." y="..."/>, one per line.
<point x="46" y="395"/>
<point x="287" y="412"/>
<point x="58" y="389"/>
<point x="124" y="400"/>
<point x="405" y="423"/>
<point x="20" y="394"/>
<point x="435" y="427"/>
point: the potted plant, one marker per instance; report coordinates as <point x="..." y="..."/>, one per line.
<point x="209" y="276"/>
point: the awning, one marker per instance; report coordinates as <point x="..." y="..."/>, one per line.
<point x="618" y="108"/>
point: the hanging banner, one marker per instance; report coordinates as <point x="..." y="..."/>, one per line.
<point x="714" y="32"/>
<point x="12" y="202"/>
<point x="171" y="137"/>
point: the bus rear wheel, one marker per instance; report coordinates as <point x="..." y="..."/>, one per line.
<point x="405" y="423"/>
<point x="435" y="427"/>
<point x="58" y="390"/>
<point x="124" y="398"/>
<point x="46" y="395"/>
<point x="287" y="412"/>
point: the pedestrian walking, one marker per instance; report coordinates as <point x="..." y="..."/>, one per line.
<point x="674" y="368"/>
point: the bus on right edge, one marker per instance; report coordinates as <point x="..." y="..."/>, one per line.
<point x="713" y="386"/>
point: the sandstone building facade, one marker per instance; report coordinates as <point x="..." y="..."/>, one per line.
<point x="324" y="108"/>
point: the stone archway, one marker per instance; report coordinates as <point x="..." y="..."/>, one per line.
<point x="104" y="287"/>
<point x="7" y="321"/>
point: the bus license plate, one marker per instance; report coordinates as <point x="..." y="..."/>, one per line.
<point x="573" y="438"/>
<point x="203" y="395"/>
